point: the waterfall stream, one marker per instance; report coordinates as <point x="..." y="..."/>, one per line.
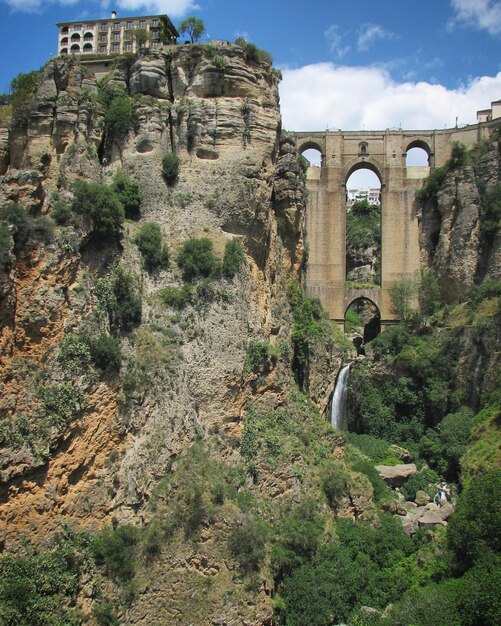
<point x="338" y="408"/>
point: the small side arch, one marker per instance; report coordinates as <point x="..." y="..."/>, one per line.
<point x="75" y="49"/>
<point x="75" y="37"/>
<point x="87" y="47"/>
<point x="363" y="320"/>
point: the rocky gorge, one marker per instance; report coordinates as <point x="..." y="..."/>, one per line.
<point x="190" y="471"/>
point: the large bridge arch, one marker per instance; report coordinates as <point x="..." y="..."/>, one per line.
<point x="385" y="153"/>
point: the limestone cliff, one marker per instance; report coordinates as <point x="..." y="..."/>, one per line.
<point x="90" y="448"/>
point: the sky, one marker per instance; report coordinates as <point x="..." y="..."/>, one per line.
<point x="352" y="64"/>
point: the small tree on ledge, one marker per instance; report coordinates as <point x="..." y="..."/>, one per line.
<point x="194" y="27"/>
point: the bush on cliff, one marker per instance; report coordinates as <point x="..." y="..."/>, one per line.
<point x="149" y="241"/>
<point x="129" y="194"/>
<point x="234" y="257"/>
<point x="197" y="259"/>
<point x="170" y="168"/>
<point x="99" y="204"/>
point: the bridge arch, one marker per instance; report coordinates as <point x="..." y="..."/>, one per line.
<point x="369" y="164"/>
<point x="362" y="317"/>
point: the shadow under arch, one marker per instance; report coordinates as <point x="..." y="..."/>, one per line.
<point x="362" y="318"/>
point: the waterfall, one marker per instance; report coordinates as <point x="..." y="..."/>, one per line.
<point x="338" y="408"/>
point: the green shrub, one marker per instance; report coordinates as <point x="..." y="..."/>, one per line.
<point x="126" y="308"/>
<point x="194" y="511"/>
<point x="475" y="528"/>
<point x="176" y="297"/>
<point x="105" y="614"/>
<point x="247" y="545"/>
<point x="253" y="54"/>
<point x="105" y="352"/>
<point x="258" y="353"/>
<point x="334" y="482"/>
<point x="234" y="257"/>
<point x="61" y="213"/>
<point x="149" y="241"/>
<point x="196" y="258"/>
<point x="74" y="354"/>
<point x="377" y="450"/>
<point x="129" y="194"/>
<point x="99" y="204"/>
<point x="428" y="292"/>
<point x="5" y="245"/>
<point x="120" y="117"/>
<point x="60" y="402"/>
<point x="116" y="550"/>
<point x="41" y="588"/>
<point x="170" y="168"/>
<point x="425" y="480"/>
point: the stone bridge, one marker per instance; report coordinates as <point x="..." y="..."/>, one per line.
<point x="383" y="152"/>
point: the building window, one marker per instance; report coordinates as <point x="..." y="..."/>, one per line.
<point x="127" y="47"/>
<point x="77" y="27"/>
<point x="116" y="26"/>
<point x="154" y="21"/>
<point x="102" y="49"/>
<point x="154" y="34"/>
<point x="142" y="24"/>
<point x="103" y="38"/>
<point x="103" y="26"/>
<point x="115" y="47"/>
<point x="115" y="36"/>
<point x="128" y="25"/>
<point x="154" y="44"/>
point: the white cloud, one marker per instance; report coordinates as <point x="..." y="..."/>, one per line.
<point x="482" y="14"/>
<point x="369" y="33"/>
<point x="335" y="41"/>
<point x="325" y="95"/>
<point x="173" y="8"/>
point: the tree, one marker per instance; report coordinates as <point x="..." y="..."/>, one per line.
<point x="101" y="205"/>
<point x="128" y="193"/>
<point x="196" y="258"/>
<point x="149" y="242"/>
<point x="140" y="36"/>
<point x="194" y="27"/>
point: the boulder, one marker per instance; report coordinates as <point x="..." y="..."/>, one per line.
<point x="401" y="453"/>
<point x="422" y="498"/>
<point x="431" y="517"/>
<point x="410" y="524"/>
<point x="396" y="475"/>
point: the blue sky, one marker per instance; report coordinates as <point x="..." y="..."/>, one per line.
<point x="346" y="64"/>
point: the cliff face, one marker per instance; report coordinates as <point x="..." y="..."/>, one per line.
<point x="453" y="239"/>
<point x="220" y="115"/>
<point x="461" y="242"/>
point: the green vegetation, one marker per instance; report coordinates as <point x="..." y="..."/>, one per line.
<point x="194" y="27"/>
<point x="19" y="229"/>
<point x="176" y="297"/>
<point x="258" y="354"/>
<point x="115" y="549"/>
<point x="435" y="180"/>
<point x="119" y="114"/>
<point x="363" y="225"/>
<point x="253" y="54"/>
<point x="234" y="257"/>
<point x="129" y="194"/>
<point x="170" y="168"/>
<point x="310" y="328"/>
<point x="247" y="545"/>
<point x="98" y="204"/>
<point x="105" y="352"/>
<point x="23" y="87"/>
<point x="196" y="259"/>
<point x="149" y="241"/>
<point x="41" y="588"/>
